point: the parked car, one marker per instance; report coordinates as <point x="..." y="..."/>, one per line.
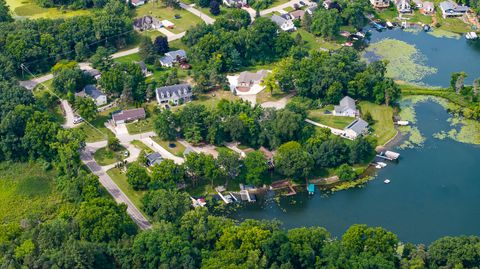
<point x="302" y="3"/>
<point x="77" y="120"/>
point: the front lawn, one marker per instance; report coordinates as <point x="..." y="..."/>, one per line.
<point x="99" y="131"/>
<point x="121" y="180"/>
<point x="266" y="96"/>
<point x="139" y="144"/>
<point x="314" y="42"/>
<point x="338" y="122"/>
<point x="141" y="126"/>
<point x="212" y="98"/>
<point x="186" y="21"/>
<point x="105" y="156"/>
<point x="383" y="129"/>
<point x="177" y="150"/>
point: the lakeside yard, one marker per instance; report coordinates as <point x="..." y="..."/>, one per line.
<point x="337" y="122"/>
<point x="383" y="129"/>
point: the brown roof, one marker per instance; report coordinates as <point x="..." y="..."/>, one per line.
<point x="129" y="115"/>
<point x="297" y="14"/>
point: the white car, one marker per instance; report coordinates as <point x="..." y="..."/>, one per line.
<point x="77" y="120"/>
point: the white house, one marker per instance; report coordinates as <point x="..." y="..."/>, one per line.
<point x="284" y="24"/>
<point x="176" y="94"/>
<point x="452" y="9"/>
<point x="91" y="91"/>
<point x="380" y="3"/>
<point x="137" y="3"/>
<point x="357" y="128"/>
<point x="235" y="3"/>
<point x="248" y="81"/>
<point x="403" y="6"/>
<point x="346" y="108"/>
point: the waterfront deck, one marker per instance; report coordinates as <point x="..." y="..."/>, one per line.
<point x="283" y="184"/>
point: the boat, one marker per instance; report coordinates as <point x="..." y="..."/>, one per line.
<point x="389" y="25"/>
<point x="311" y="189"/>
<point x="348" y="44"/>
<point x="378" y="166"/>
<point x="360" y="34"/>
<point x="382" y="164"/>
<point x="471" y="36"/>
<point x="426" y="27"/>
<point x="386" y="181"/>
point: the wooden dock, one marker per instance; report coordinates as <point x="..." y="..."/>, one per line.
<point x="283" y="184"/>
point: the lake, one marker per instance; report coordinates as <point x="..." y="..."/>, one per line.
<point x="446" y="55"/>
<point x="434" y="189"/>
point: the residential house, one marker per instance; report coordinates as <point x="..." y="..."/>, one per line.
<point x="284" y="24"/>
<point x="235" y="3"/>
<point x="355" y="129"/>
<point x="403" y="6"/>
<point x="175" y="94"/>
<point x="147" y="23"/>
<point x="297" y="14"/>
<point x="248" y="80"/>
<point x="312" y="7"/>
<point x="137" y="3"/>
<point x="418" y="3"/>
<point x="428" y="8"/>
<point x="91" y="91"/>
<point x="380" y="3"/>
<point x="330" y="4"/>
<point x="154" y="158"/>
<point x="129" y="115"/>
<point x="346" y="108"/>
<point x="144" y="68"/>
<point x="452" y="9"/>
<point x="172" y="57"/>
<point x="94" y="73"/>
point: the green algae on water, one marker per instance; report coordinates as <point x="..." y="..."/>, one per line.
<point x="406" y="63"/>
<point x="440" y="33"/>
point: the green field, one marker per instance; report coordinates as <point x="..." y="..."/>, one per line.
<point x="383" y="129"/>
<point x="186" y="21"/>
<point x="139" y="144"/>
<point x="211" y="99"/>
<point x="105" y="156"/>
<point x="141" y="126"/>
<point x="314" y="42"/>
<point x="30" y="9"/>
<point x="121" y="180"/>
<point x="26" y="190"/>
<point x="177" y="150"/>
<point x="337" y="122"/>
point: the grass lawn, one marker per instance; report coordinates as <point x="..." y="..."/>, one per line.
<point x="389" y="14"/>
<point x="186" y="21"/>
<point x="289" y="9"/>
<point x="105" y="156"/>
<point x="27" y="190"/>
<point x="177" y="150"/>
<point x="211" y="99"/>
<point x="121" y="180"/>
<point x="139" y="144"/>
<point x="455" y="25"/>
<point x="141" y="126"/>
<point x="314" y="42"/>
<point x="420" y="18"/>
<point x="265" y="96"/>
<point x="383" y="129"/>
<point x="100" y="132"/>
<point x="338" y="122"/>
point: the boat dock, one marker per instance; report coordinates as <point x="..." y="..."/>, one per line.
<point x="389" y="155"/>
<point x="311" y="189"/>
<point x="283" y="184"/>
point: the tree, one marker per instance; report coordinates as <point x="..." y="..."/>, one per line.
<point x="4" y="12"/>
<point x="256" y="168"/>
<point x="113" y="143"/>
<point x="229" y="163"/>
<point x="345" y="172"/>
<point x="86" y="108"/>
<point x="455" y="252"/>
<point x="68" y="144"/>
<point x="360" y="150"/>
<point x="269" y="83"/>
<point x="102" y="220"/>
<point x="137" y="176"/>
<point x="292" y="160"/>
<point x="166" y="175"/>
<point x="374" y="241"/>
<point x="307" y="22"/>
<point x="160" y="45"/>
<point x="215" y="8"/>
<point x="165" y="125"/>
<point x="199" y="166"/>
<point x="326" y="23"/>
<point x="147" y="50"/>
<point x="101" y="59"/>
<point x="68" y="79"/>
<point x="167" y="205"/>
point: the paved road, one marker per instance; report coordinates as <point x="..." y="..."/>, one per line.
<point x="207" y="19"/>
<point x="125" y="53"/>
<point x="165" y="153"/>
<point x="171" y="36"/>
<point x="113" y="189"/>
<point x="69" y="116"/>
<point x="282" y="7"/>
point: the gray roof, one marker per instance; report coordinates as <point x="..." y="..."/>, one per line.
<point x="249" y="77"/>
<point x="172" y="56"/>
<point x="92" y="91"/>
<point x="92" y="72"/>
<point x="179" y="90"/>
<point x="153" y="157"/>
<point x="187" y="151"/>
<point x="143" y="66"/>
<point x="278" y="19"/>
<point x="449" y="5"/>
<point x="129" y="115"/>
<point x="346" y="103"/>
<point x="358" y="126"/>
